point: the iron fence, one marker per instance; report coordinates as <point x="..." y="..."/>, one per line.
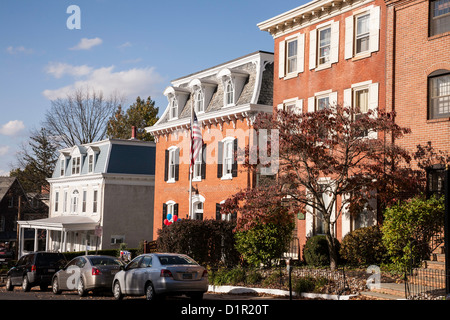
<point x="425" y="284"/>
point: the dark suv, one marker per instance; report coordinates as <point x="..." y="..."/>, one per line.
<point x="35" y="269"/>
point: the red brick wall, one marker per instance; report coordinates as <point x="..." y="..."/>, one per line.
<point x="213" y="189"/>
<point x="413" y="57"/>
<point x="340" y="76"/>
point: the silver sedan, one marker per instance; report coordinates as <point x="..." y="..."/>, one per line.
<point x="86" y="273"/>
<point x="161" y="274"/>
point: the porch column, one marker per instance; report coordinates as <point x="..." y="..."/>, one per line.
<point x="35" y="239"/>
<point x="20" y="244"/>
<point x="47" y="234"/>
<point x="65" y="242"/>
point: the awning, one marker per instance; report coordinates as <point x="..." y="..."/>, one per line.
<point x="67" y="223"/>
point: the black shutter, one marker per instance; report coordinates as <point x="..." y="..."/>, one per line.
<point x="164" y="213"/>
<point x="203" y="169"/>
<point x="234" y="216"/>
<point x="218" y="214"/>
<point x="219" y="160"/>
<point x="234" y="168"/>
<point x="175" y="209"/>
<point x="166" y="166"/>
<point x="177" y="164"/>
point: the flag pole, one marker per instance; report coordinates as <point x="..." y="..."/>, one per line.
<point x="190" y="163"/>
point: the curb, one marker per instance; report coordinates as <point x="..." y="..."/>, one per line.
<point x="276" y="292"/>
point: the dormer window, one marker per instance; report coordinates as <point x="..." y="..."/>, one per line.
<point x="229" y="92"/>
<point x="62" y="168"/>
<point x="233" y="81"/>
<point x="199" y="101"/>
<point x="173" y="108"/>
<point x="90" y="163"/>
<point x="76" y="164"/>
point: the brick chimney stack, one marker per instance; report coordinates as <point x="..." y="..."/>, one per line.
<point x="133" y="133"/>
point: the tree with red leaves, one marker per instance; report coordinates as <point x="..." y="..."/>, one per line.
<point x="338" y="152"/>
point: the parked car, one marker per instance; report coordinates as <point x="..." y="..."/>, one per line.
<point x="35" y="269"/>
<point x="86" y="273"/>
<point x="158" y="274"/>
<point x="5" y="256"/>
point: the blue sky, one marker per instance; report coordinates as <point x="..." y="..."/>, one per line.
<point x="135" y="47"/>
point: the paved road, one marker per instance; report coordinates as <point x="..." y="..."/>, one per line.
<point x="36" y="294"/>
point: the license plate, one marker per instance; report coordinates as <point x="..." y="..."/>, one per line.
<point x="2" y="259"/>
<point x="51" y="270"/>
<point x="187" y="276"/>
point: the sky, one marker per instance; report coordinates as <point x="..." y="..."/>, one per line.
<point x="133" y="47"/>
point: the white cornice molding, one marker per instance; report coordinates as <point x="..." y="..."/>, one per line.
<point x="310" y="13"/>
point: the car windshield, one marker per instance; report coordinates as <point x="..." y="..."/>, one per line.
<point x="50" y="259"/>
<point x="104" y="261"/>
<point x="175" y="259"/>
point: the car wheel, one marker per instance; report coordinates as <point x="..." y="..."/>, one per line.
<point x="81" y="289"/>
<point x="117" y="291"/>
<point x="8" y="285"/>
<point x="26" y="284"/>
<point x="55" y="286"/>
<point x="150" y="292"/>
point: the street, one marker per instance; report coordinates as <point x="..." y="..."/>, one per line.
<point x="36" y="294"/>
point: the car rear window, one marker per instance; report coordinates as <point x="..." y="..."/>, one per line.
<point x="104" y="261"/>
<point x="165" y="260"/>
<point x="50" y="259"/>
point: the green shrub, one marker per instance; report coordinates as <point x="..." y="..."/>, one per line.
<point x="408" y="228"/>
<point x="315" y="251"/>
<point x="209" y="242"/>
<point x="304" y="284"/>
<point x="363" y="246"/>
<point x="264" y="242"/>
<point x="227" y="277"/>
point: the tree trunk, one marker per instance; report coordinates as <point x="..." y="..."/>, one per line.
<point x="331" y="246"/>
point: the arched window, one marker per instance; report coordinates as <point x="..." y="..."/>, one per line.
<point x="199" y="101"/>
<point x="229" y="92"/>
<point x="74" y="201"/>
<point x="439" y="94"/>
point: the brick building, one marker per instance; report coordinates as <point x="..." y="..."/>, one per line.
<point x="330" y="52"/>
<point x="226" y="99"/>
<point x="418" y="72"/>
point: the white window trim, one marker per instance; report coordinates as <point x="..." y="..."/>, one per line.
<point x="173" y="104"/>
<point x="76" y="167"/>
<point x="97" y="202"/>
<point x="226" y="103"/>
<point x="372" y="103"/>
<point x="314" y="45"/>
<point x="312" y="101"/>
<point x="91" y="169"/>
<point x="374" y="32"/>
<point x="298" y="105"/>
<point x="226" y="141"/>
<point x="282" y="56"/>
<point x="198" y="161"/>
<point x="62" y="169"/>
<point x="172" y="151"/>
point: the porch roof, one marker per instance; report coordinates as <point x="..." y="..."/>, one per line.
<point x="61" y="223"/>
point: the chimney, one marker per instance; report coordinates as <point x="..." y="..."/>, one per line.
<point x="133" y="133"/>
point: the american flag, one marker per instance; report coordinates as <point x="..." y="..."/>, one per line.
<point x="196" y="141"/>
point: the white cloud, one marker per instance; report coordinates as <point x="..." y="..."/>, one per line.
<point x="19" y="49"/>
<point x="86" y="44"/>
<point x="58" y="69"/>
<point x="125" y="45"/>
<point x="3" y="150"/>
<point x="130" y="83"/>
<point x="12" y="128"/>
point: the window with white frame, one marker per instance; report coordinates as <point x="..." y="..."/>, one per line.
<point x="362" y="32"/>
<point x="324" y="45"/>
<point x="173" y="108"/>
<point x="62" y="167"/>
<point x="199" y="100"/>
<point x="198" y="210"/>
<point x="90" y="163"/>
<point x="65" y="201"/>
<point x="228" y="158"/>
<point x="171" y="164"/>
<point x="84" y="201"/>
<point x="229" y="92"/>
<point x="56" y="201"/>
<point x="322" y="100"/>
<point x="76" y="164"/>
<point x="199" y="166"/>
<point x="291" y="56"/>
<point x="95" y="201"/>
<point x="294" y="105"/>
<point x="361" y="98"/>
<point x="74" y="201"/>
